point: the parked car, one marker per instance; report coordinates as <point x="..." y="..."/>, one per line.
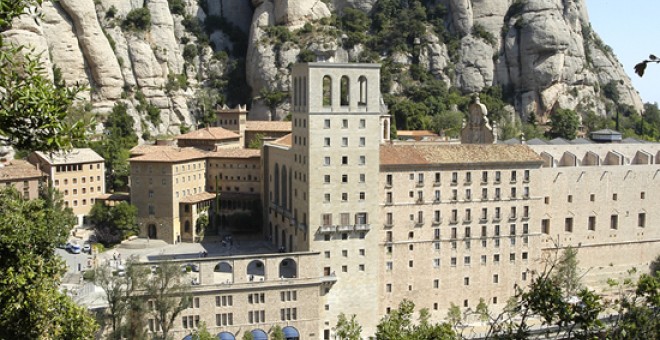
<point x="87" y="248"/>
<point x="73" y="248"/>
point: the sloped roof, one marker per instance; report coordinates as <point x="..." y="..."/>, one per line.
<point x="456" y="154"/>
<point x="234" y="153"/>
<point x="74" y="156"/>
<point x="209" y="133"/>
<point x="260" y="125"/>
<point x="203" y="196"/>
<point x="283" y="141"/>
<point x="18" y="169"/>
<point x="167" y="154"/>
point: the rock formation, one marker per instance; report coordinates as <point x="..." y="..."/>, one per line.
<point x="544" y="51"/>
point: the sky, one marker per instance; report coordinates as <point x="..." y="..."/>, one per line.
<point x="631" y="28"/>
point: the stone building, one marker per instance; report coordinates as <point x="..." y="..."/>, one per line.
<point x="23" y="176"/>
<point x="374" y="221"/>
<point x="168" y="187"/>
<point x="78" y="174"/>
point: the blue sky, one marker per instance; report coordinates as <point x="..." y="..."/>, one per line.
<point x="631" y="29"/>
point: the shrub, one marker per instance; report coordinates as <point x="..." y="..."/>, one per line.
<point x="481" y="32"/>
<point x="177" y="6"/>
<point x="189" y="52"/>
<point x="111" y="12"/>
<point x="137" y="19"/>
<point x="306" y="56"/>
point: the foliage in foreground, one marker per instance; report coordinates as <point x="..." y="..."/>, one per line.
<point x="30" y="272"/>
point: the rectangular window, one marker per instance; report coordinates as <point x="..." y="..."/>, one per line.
<point x="545" y="226"/>
<point x="363" y="160"/>
<point x="344" y="160"/>
<point x="568" y="224"/>
<point x="641" y="220"/>
<point x="484" y="177"/>
<point x="592" y="223"/>
<point x="363" y="124"/>
<point x="344" y="123"/>
<point x="614" y="222"/>
<point x="344" y="141"/>
<point x="363" y="141"/>
<point x="326" y="124"/>
<point x="326" y="161"/>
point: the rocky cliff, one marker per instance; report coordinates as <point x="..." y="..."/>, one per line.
<point x="194" y="54"/>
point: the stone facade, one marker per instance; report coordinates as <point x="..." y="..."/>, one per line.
<point x="23" y="176"/>
<point x="78" y="174"/>
<point x="436" y="223"/>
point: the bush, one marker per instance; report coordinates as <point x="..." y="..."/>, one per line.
<point x="137" y="19"/>
<point x="177" y="6"/>
<point x="111" y="12"/>
<point x="481" y="32"/>
<point x="306" y="56"/>
<point x="189" y="52"/>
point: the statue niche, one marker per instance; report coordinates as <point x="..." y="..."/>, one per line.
<point x="477" y="130"/>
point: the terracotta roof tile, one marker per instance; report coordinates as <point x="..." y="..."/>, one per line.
<point x="456" y="154"/>
<point x="167" y="154"/>
<point x="18" y="169"/>
<point x="234" y="153"/>
<point x="416" y="133"/>
<point x="203" y="196"/>
<point x="259" y="125"/>
<point x="209" y="133"/>
<point x="283" y="141"/>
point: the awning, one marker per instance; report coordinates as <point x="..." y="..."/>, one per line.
<point x="290" y="332"/>
<point x="258" y="334"/>
<point x="188" y="337"/>
<point x="226" y="336"/>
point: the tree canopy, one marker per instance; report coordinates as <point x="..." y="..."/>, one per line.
<point x="564" y="123"/>
<point x="30" y="272"/>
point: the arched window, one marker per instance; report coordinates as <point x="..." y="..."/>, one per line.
<point x="277" y="184"/>
<point x="344" y="90"/>
<point x="327" y="91"/>
<point x="288" y="268"/>
<point x="363" y="90"/>
<point x="285" y="188"/>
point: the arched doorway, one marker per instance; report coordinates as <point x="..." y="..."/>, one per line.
<point x="288" y="269"/>
<point x="153" y="232"/>
<point x="290" y="333"/>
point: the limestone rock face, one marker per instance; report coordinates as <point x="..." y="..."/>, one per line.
<point x="295" y="13"/>
<point x="543" y="51"/>
<point x="95" y="47"/>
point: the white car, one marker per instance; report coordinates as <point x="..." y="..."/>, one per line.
<point x="87" y="248"/>
<point x="73" y="248"/>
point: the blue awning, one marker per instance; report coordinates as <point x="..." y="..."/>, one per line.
<point x="226" y="336"/>
<point x="258" y="334"/>
<point x="290" y="332"/>
<point x="188" y="337"/>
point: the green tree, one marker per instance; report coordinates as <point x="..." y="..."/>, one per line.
<point x="204" y="334"/>
<point x="32" y="305"/>
<point x="119" y="138"/>
<point x="33" y="109"/>
<point x="257" y="141"/>
<point x="400" y="325"/>
<point x="272" y="99"/>
<point x="170" y="294"/>
<point x="138" y="19"/>
<point x="564" y="123"/>
<point x="566" y="273"/>
<point x="114" y="223"/>
<point x="114" y="287"/>
<point x="247" y="335"/>
<point x="448" y="123"/>
<point x="348" y="329"/>
<point x="276" y="333"/>
<point x="482" y="310"/>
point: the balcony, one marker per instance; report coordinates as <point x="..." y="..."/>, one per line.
<point x="436" y="201"/>
<point x="419" y="184"/>
<point x="344" y="228"/>
<point x="362" y="227"/>
<point x="467" y="220"/>
<point x="436" y="184"/>
<point x="497" y="218"/>
<point x="525" y="196"/>
<point x="437" y="221"/>
<point x="419" y="201"/>
<point x="419" y="223"/>
<point x="327" y="229"/>
<point x="388" y="185"/>
<point x="483" y="220"/>
<point x="525" y="217"/>
<point x="512" y="217"/>
<point x="453" y="221"/>
<point x="388" y="225"/>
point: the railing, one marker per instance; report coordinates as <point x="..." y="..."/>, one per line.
<point x="329" y="229"/>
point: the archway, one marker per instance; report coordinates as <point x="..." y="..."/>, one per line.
<point x="288" y="269"/>
<point x="291" y="333"/>
<point x="223" y="273"/>
<point x="226" y="336"/>
<point x="153" y="232"/>
<point x="258" y="334"/>
<point x="256" y="270"/>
